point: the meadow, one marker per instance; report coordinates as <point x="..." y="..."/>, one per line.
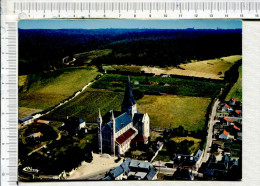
<point x="157" y="85"/>
<point x="236" y="90"/>
<point x="212" y="68"/>
<point x="45" y="90"/>
<point x="171" y="111"/>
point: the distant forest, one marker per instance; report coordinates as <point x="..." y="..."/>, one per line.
<point x="41" y="49"/>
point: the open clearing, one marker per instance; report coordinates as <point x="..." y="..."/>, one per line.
<point x="43" y="91"/>
<point x="236" y="90"/>
<point x="213" y="69"/>
<point x="171" y="111"/>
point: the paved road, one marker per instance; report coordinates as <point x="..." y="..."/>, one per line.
<point x="210" y="132"/>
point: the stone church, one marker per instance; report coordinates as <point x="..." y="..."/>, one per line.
<point x="118" y="129"/>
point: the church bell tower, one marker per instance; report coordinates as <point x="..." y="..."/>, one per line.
<point x="129" y="104"/>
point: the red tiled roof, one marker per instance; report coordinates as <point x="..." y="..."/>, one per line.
<point x="236" y="111"/>
<point x="226" y="105"/>
<point x="227" y="119"/>
<point x="126" y="135"/>
<point x="225" y="132"/>
<point x="235" y="127"/>
<point x="42" y="121"/>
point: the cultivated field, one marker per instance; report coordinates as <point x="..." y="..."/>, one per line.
<point x="45" y="90"/>
<point x="86" y="105"/>
<point x="236" y="90"/>
<point x="171" y="111"/>
<point x="157" y="85"/>
<point x="213" y="69"/>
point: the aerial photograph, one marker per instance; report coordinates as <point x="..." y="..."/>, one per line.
<point x="105" y="100"/>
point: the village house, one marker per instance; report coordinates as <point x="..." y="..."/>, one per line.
<point x="237" y="113"/>
<point x="226" y="121"/>
<point x="232" y="101"/>
<point x="25" y="121"/>
<point x="73" y="125"/>
<point x="226" y="108"/>
<point x="117" y="129"/>
<point x="224" y="135"/>
<point x="40" y="121"/>
<point x="133" y="170"/>
<point x="187" y="161"/>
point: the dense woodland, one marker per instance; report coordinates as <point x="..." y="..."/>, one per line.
<point x="41" y="49"/>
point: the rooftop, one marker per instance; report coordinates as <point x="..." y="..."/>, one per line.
<point x="133" y="168"/>
<point x="227" y="119"/>
<point x="121" y="121"/>
<point x="126" y="135"/>
<point x="25" y="119"/>
<point x="225" y="132"/>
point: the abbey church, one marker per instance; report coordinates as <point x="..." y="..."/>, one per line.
<point x="118" y="129"/>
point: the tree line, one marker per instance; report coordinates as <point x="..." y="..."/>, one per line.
<point x="41" y="50"/>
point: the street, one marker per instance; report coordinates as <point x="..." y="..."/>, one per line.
<point x="210" y="131"/>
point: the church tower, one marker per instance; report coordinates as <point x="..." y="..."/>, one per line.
<point x="99" y="122"/>
<point x="129" y="104"/>
<point x="113" y="137"/>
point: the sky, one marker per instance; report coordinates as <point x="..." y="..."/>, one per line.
<point x="140" y="24"/>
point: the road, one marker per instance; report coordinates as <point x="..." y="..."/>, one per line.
<point x="170" y="171"/>
<point x="210" y="132"/>
<point x="35" y="150"/>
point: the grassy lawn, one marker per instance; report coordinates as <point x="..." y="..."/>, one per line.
<point x="86" y="105"/>
<point x="45" y="90"/>
<point x="171" y="111"/>
<point x="156" y="85"/>
<point x="213" y="68"/>
<point x="236" y="90"/>
<point x="194" y="147"/>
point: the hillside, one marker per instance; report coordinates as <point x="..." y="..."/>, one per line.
<point x="236" y="90"/>
<point x="45" y="90"/>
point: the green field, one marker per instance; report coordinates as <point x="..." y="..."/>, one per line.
<point x="171" y="111"/>
<point x="157" y="85"/>
<point x="45" y="90"/>
<point x="236" y="90"/>
<point x="86" y="105"/>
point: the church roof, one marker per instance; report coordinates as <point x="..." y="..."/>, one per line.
<point x="129" y="97"/>
<point x="126" y="135"/>
<point x="121" y="121"/>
